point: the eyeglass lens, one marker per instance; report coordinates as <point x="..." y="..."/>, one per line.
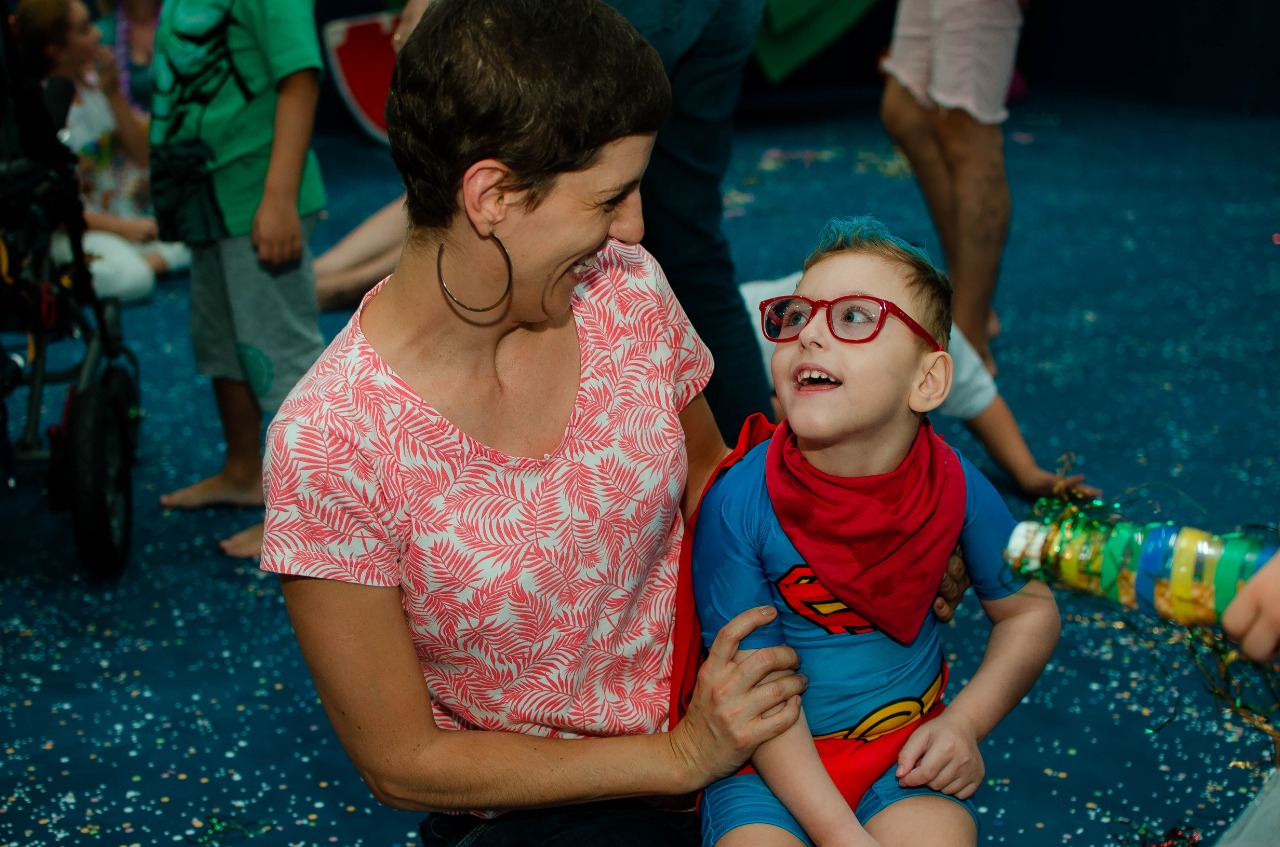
<point x="850" y="318"/>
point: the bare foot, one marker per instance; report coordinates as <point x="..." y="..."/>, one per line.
<point x="245" y="544"/>
<point x="218" y="490"/>
<point x="1044" y="483"/>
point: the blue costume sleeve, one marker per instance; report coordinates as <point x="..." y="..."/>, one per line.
<point x="987" y="527"/>
<point x="728" y="571"/>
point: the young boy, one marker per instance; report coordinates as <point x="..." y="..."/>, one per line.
<point x="974" y="399"/>
<point x="844" y="520"/>
<point x="235" y="88"/>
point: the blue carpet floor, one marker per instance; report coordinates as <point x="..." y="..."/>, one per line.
<point x="1138" y="304"/>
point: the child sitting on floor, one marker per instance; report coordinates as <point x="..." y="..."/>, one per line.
<point x="844" y="519"/>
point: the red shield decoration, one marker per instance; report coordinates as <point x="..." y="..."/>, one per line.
<point x="361" y="59"/>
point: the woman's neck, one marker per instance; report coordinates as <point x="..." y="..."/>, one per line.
<point x="413" y="320"/>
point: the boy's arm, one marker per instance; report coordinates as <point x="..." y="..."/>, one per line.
<point x="789" y="764"/>
<point x="943" y="753"/>
<point x="277" y="229"/>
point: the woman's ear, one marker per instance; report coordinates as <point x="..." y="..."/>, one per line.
<point x="933" y="382"/>
<point x="484" y="198"/>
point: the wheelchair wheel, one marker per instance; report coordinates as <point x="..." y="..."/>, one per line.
<point x="97" y="442"/>
<point x="123" y="397"/>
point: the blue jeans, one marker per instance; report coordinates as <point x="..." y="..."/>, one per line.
<point x="704" y="45"/>
<point x="620" y="823"/>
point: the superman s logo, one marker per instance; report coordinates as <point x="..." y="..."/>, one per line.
<point x="810" y="599"/>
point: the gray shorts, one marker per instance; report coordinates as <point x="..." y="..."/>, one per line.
<point x="250" y="324"/>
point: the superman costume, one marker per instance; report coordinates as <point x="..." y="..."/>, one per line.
<point x="875" y="664"/>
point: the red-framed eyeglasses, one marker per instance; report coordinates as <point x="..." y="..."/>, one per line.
<point x="855" y="319"/>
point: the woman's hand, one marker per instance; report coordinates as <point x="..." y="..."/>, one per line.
<point x="942" y="754"/>
<point x="737" y="706"/>
<point x="955" y="582"/>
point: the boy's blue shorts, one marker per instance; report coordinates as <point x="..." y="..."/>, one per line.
<point x="746" y="799"/>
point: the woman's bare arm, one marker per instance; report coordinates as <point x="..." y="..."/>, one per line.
<point x="357" y="646"/>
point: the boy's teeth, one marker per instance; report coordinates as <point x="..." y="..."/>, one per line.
<point x="584" y="264"/>
<point x="805" y="377"/>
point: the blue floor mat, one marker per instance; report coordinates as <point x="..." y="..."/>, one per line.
<point x="1137" y="300"/>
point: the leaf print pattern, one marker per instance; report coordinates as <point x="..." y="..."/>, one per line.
<point x="539" y="593"/>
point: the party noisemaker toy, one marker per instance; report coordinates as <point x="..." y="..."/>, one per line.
<point x="1179" y="573"/>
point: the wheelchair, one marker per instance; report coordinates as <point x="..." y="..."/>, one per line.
<point x="49" y="307"/>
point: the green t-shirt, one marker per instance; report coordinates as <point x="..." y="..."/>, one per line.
<point x="214" y="76"/>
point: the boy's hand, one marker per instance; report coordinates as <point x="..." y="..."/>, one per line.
<point x="277" y="232"/>
<point x="1253" y="617"/>
<point x="942" y="754"/>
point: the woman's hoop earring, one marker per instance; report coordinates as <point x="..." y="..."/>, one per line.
<point x="506" y="292"/>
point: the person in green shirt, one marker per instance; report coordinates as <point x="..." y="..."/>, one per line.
<point x="235" y="84"/>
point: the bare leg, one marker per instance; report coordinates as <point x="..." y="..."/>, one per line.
<point x="363" y="256"/>
<point x="911" y="126"/>
<point x="239" y="483"/>
<point x="343" y="289"/>
<point x="959" y="166"/>
<point x="758" y="835"/>
<point x="975" y="158"/>
<point x="924" y="819"/>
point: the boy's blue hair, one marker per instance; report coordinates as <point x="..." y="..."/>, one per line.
<point x="839" y="234"/>
<point x="928" y="285"/>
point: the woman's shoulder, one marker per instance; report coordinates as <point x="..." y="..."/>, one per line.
<point x="628" y="271"/>
<point x="344" y="384"/>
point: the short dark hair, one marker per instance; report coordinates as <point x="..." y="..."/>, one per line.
<point x="39" y="25"/>
<point x="539" y="85"/>
<point x="929" y="286"/>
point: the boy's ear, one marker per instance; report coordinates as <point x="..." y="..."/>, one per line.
<point x="933" y="382"/>
<point x="484" y="197"/>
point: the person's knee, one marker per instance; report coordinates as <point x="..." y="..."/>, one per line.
<point x="963" y="138"/>
<point x="902" y="116"/>
<point x="923" y="819"/>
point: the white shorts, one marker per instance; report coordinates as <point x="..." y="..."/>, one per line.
<point x="957" y="54"/>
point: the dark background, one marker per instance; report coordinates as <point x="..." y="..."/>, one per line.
<point x="1221" y="55"/>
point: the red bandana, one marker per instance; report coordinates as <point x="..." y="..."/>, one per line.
<point x="879" y="544"/>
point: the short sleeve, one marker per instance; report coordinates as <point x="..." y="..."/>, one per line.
<point x="693" y="363"/>
<point x="287" y="33"/>
<point x="728" y="568"/>
<point x="322" y="515"/>
<point x="973" y="388"/>
<point x="987" y="527"/>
